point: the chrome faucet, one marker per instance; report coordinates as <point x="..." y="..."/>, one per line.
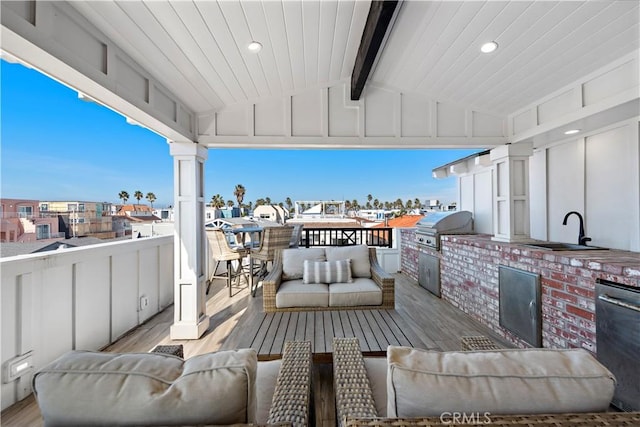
<point x="582" y="239"/>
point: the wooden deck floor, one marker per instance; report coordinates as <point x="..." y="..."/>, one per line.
<point x="437" y="324"/>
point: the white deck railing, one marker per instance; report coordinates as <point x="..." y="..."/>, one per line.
<point x="79" y="299"/>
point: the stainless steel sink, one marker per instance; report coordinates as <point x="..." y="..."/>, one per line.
<point x="556" y="246"/>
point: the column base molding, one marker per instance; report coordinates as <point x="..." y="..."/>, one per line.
<point x="189" y="331"/>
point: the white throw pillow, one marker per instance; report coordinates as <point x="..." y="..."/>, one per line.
<point x="531" y="381"/>
<point x="359" y="256"/>
<point x="327" y="271"/>
<point x="293" y="261"/>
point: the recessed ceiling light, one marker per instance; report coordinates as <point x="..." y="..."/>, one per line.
<point x="572" y="131"/>
<point x="254" y="47"/>
<point x="488" y="47"/>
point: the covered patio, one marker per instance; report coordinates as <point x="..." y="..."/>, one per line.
<point x="555" y="107"/>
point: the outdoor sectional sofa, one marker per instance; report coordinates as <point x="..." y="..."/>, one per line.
<point x="532" y="387"/>
<point x="83" y="388"/>
<point x="331" y="278"/>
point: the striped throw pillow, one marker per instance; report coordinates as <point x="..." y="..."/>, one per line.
<point x="327" y="271"/>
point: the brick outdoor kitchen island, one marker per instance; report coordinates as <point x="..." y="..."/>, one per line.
<point x="469" y="267"/>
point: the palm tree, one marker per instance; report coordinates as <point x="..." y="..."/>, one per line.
<point x="267" y="200"/>
<point x="369" y="198"/>
<point x="138" y="195"/>
<point x="239" y="193"/>
<point x="417" y="203"/>
<point x="151" y="198"/>
<point x="217" y="201"/>
<point x="230" y="203"/>
<point x="289" y="203"/>
<point x="409" y="205"/>
<point x="124" y="196"/>
<point x="376" y="203"/>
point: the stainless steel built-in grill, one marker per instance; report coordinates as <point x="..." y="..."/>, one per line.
<point x="435" y="224"/>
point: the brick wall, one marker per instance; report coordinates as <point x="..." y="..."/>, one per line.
<point x="409" y="253"/>
<point x="469" y="281"/>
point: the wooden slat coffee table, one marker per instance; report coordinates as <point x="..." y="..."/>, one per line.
<point x="375" y="329"/>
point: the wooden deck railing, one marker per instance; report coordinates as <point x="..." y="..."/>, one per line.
<point x="377" y="237"/>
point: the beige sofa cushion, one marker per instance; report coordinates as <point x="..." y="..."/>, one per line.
<point x="359" y="256"/>
<point x="361" y="292"/>
<point x="377" y="375"/>
<point x="266" y="380"/>
<point x="293" y="261"/>
<point x="327" y="271"/>
<point x="531" y="381"/>
<point x="295" y="293"/>
<point x="96" y="388"/>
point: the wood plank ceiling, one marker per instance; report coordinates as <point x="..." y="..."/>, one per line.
<point x="433" y="49"/>
<point x="543" y="46"/>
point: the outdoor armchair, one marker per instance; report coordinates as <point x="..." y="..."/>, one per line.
<point x="296" y="235"/>
<point x="273" y="239"/>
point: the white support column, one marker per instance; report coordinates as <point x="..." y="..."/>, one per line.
<point x="511" y="191"/>
<point x="190" y="250"/>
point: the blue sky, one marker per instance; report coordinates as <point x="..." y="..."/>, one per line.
<point x="56" y="147"/>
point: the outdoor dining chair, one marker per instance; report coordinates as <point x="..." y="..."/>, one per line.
<point x="273" y="238"/>
<point x="221" y="251"/>
<point x="296" y="235"/>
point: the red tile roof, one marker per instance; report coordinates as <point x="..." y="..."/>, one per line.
<point x="405" y="221"/>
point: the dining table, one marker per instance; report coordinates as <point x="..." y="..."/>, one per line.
<point x="249" y="237"/>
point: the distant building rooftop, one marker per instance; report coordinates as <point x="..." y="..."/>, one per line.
<point x="143" y="218"/>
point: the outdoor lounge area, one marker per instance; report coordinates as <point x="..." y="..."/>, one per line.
<point x="429" y="322"/>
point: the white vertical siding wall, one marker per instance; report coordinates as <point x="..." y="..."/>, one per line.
<point x="598" y="176"/>
<point x="538" y="195"/>
<point x="611" y="165"/>
<point x="79" y="299"/>
<point x="476" y="195"/>
<point x="565" y="177"/>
